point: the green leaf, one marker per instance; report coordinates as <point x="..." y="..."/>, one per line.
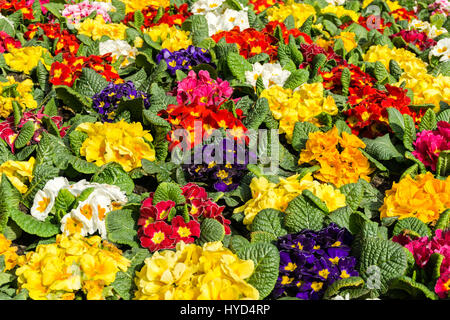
<point x="409" y="133"/>
<point x="25" y="135"/>
<point x="381" y="148"/>
<point x="433" y="267"/>
<point x="301" y="134"/>
<point x="296" y="79"/>
<point x="76" y="101"/>
<point x="198" y="27"/>
<point x="9" y="200"/>
<point x="76" y="139"/>
<point x="90" y="82"/>
<point x="257" y="114"/>
<point x="163" y="170"/>
<point x="412" y="226"/>
<point x="306" y="26"/>
<point x="414" y="289"/>
<point x="121" y="227"/>
<point x="168" y="191"/>
<point x="113" y="174"/>
<point x="124" y="283"/>
<point x="443" y="221"/>
<point x="318" y="61"/>
<point x="64" y="201"/>
<point x="238" y="65"/>
<point x="443" y="163"/>
<point x="381" y="262"/>
<point x="238" y="243"/>
<point x="339" y="284"/>
<point x="211" y="230"/>
<point x="269" y="220"/>
<point x="83" y="166"/>
<point x="301" y="214"/>
<point x="396" y="122"/>
<point x="380" y="72"/>
<point x="31" y="225"/>
<point x="316" y="200"/>
<point x="262" y="236"/>
<point x="354" y="193"/>
<point x="266" y="259"/>
<point x="346" y="77"/>
<point x="428" y="121"/>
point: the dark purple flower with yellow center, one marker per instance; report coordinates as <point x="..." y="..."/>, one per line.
<point x="310" y="261"/>
<point x="184" y="59"/>
<point x="106" y="101"/>
<point x="222" y="172"/>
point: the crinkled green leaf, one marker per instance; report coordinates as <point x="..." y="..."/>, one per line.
<point x="414" y="289"/>
<point x="269" y="220"/>
<point x="412" y="225"/>
<point x="301" y="134"/>
<point x="121" y="227"/>
<point x="113" y="174"/>
<point x="31" y="225"/>
<point x="266" y="259"/>
<point x="25" y="135"/>
<point x="335" y="287"/>
<point x="211" y="230"/>
<point x="168" y="191"/>
<point x="301" y="214"/>
<point x="428" y="121"/>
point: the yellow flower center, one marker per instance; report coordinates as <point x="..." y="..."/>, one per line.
<point x="344" y="274"/>
<point x="316" y="286"/>
<point x="334" y="260"/>
<point x="290" y="266"/>
<point x="324" y="273"/>
<point x="43" y="204"/>
<point x="86" y="211"/>
<point x="158" y="237"/>
<point x="184" y="232"/>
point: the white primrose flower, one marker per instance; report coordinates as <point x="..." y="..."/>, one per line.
<point x="44" y="199"/>
<point x="442" y="50"/>
<point x="424" y="26"/>
<point x="89" y="216"/>
<point x="205" y="6"/>
<point x="271" y="74"/>
<point x="118" y="48"/>
<point x="336" y="2"/>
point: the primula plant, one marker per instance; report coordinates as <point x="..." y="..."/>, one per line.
<point x="224" y="150"/>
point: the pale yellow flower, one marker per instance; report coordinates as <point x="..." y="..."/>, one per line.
<point x="19" y="173"/>
<point x="27" y="58"/>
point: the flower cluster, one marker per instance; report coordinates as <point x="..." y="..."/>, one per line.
<point x="27" y="58"/>
<point x="160" y="227"/>
<point x="440" y="7"/>
<point x="20" y="5"/>
<point x="136" y="5"/>
<point x="121" y="142"/>
<point x="442" y="50"/>
<point x="169" y="37"/>
<point x="426" y="88"/>
<point x="69" y="70"/>
<point x="309" y="51"/>
<point x="368" y="113"/>
<point x="66" y="41"/>
<point x="358" y="78"/>
<point x="220" y="16"/>
<point x="418" y="39"/>
<point x="118" y="49"/>
<point x="179" y="15"/>
<point x="266" y="195"/>
<point x="299" y="11"/>
<point x="226" y="174"/>
<point x="423" y="26"/>
<point x="304" y="104"/>
<point x="261" y="5"/>
<point x="7" y="42"/>
<point x="88" y="217"/>
<point x="423" y="197"/>
<point x="310" y="261"/>
<point x="250" y="42"/>
<point x="272" y="25"/>
<point x="202" y="89"/>
<point x="74" y="13"/>
<point x="60" y="270"/>
<point x="15" y="91"/>
<point x="97" y="28"/>
<point x="272" y="74"/>
<point x="8" y="252"/>
<point x="430" y="143"/>
<point x="422" y="248"/>
<point x="191" y="272"/>
<point x="106" y="101"/>
<point x="340" y="160"/>
<point x="403" y="14"/>
<point x="184" y="59"/>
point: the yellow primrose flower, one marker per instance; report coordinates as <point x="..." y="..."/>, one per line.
<point x="58" y="270"/>
<point x="26" y="59"/>
<point x="340" y="12"/>
<point x="304" y="104"/>
<point x="277" y="196"/>
<point x="119" y="142"/>
<point x="426" y="88"/>
<point x="97" y="28"/>
<point x="299" y="11"/>
<point x="18" y="172"/>
<point x="348" y="38"/>
<point x="192" y="272"/>
<point x="423" y="197"/>
<point x="8" y="252"/>
<point x="393" y="5"/>
<point x="340" y="160"/>
<point x="170" y="38"/>
<point x="23" y="96"/>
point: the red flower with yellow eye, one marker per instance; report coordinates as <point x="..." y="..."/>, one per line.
<point x="358" y="78"/>
<point x="250" y="41"/>
<point x="403" y="14"/>
<point x="272" y="25"/>
<point x="157" y="236"/>
<point x="172" y="15"/>
<point x="182" y="231"/>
